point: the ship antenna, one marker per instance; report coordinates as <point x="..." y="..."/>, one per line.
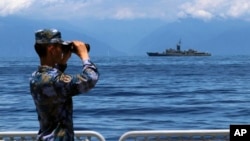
<point x="178" y="47"/>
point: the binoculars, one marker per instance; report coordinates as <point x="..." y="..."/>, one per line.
<point x="70" y="47"/>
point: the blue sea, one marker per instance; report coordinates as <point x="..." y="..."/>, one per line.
<point x="139" y="93"/>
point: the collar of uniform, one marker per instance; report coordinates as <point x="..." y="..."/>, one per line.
<point x="45" y="68"/>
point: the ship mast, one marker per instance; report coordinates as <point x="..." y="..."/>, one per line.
<point x="178" y="46"/>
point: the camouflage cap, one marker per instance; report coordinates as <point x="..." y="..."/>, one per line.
<point x="47" y="36"/>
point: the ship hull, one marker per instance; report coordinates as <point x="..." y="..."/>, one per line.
<point x="177" y="54"/>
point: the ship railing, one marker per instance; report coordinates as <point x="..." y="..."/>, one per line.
<point x="176" y="135"/>
<point x="31" y="136"/>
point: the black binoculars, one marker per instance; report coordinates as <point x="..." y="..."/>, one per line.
<point x="70" y="47"/>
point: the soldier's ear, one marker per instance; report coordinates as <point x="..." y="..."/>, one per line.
<point x="51" y="49"/>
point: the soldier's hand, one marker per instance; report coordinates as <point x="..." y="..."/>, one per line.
<point x="81" y="50"/>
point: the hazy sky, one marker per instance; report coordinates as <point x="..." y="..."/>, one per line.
<point x="168" y="10"/>
<point x="126" y="23"/>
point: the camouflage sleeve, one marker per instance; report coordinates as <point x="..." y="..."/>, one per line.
<point x="71" y="85"/>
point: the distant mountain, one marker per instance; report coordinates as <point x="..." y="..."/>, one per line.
<point x="131" y="37"/>
<point x="218" y="37"/>
<point x="120" y="34"/>
<point x="17" y="37"/>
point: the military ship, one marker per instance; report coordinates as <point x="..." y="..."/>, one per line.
<point x="179" y="52"/>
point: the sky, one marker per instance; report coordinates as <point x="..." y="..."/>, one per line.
<point x="167" y="10"/>
<point x="151" y="14"/>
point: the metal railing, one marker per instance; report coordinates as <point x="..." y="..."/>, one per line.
<point x="176" y="135"/>
<point x="147" y="135"/>
<point x="31" y="136"/>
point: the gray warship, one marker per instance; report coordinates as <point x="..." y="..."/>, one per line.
<point x="179" y="52"/>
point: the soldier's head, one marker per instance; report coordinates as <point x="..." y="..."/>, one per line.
<point x="48" y="42"/>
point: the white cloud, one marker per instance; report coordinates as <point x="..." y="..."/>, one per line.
<point x="66" y="9"/>
<point x="204" y="9"/>
<point x="102" y="9"/>
<point x="8" y="7"/>
<point x="239" y="8"/>
<point x="124" y="9"/>
<point x="124" y="13"/>
<point x="208" y="9"/>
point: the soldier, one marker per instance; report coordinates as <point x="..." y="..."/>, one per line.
<point x="52" y="90"/>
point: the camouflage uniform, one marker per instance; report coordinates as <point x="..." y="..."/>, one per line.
<point x="52" y="91"/>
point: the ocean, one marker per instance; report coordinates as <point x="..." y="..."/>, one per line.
<point x="139" y="93"/>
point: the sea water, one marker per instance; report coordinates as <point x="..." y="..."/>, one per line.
<point x="139" y="93"/>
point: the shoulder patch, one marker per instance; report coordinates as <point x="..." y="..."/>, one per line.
<point x="65" y="78"/>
